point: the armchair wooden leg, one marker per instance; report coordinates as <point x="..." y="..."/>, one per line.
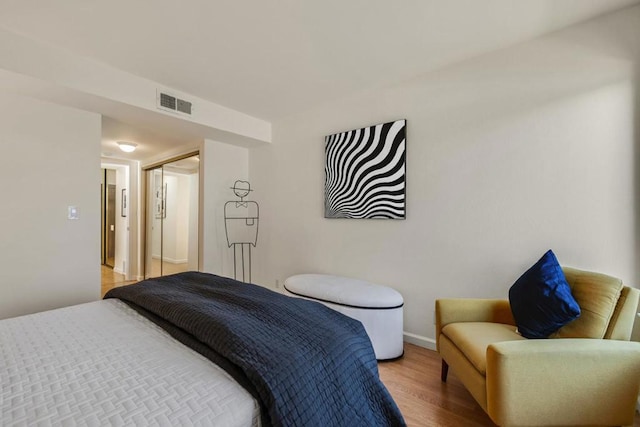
<point x="444" y="372"/>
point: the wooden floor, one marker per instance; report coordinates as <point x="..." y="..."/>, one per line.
<point x="414" y="382"/>
<point x="111" y="279"/>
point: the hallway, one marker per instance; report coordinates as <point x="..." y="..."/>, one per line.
<point x="111" y="279"/>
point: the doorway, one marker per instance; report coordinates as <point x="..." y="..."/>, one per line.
<point x="172" y="205"/>
<point x="108" y="217"/>
<point x="114" y="229"/>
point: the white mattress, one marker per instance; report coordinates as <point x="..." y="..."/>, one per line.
<point x="102" y="363"/>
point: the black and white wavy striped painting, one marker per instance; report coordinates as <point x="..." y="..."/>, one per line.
<point x="365" y="172"/>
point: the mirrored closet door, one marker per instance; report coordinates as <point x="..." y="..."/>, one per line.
<point x="172" y="195"/>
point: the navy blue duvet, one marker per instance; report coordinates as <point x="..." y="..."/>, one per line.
<point x="306" y="364"/>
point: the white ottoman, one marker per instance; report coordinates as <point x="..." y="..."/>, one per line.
<point x="378" y="308"/>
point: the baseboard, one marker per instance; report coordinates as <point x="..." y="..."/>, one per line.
<point x="171" y="260"/>
<point x="420" y="340"/>
<point x="117" y="270"/>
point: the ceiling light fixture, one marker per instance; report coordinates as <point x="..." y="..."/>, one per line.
<point x="127" y="147"/>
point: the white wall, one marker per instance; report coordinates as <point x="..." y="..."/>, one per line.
<point x="122" y="223"/>
<point x="220" y="166"/>
<point x="192" y="251"/>
<point x="508" y="155"/>
<point x="46" y="260"/>
<point x="182" y="220"/>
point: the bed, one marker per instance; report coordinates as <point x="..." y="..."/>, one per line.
<point x="191" y="349"/>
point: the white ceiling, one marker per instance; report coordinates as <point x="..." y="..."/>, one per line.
<point x="273" y="58"/>
<point x="149" y="142"/>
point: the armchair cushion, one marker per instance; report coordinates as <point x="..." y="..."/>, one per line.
<point x="541" y="299"/>
<point x="473" y="338"/>
<point x="597" y="295"/>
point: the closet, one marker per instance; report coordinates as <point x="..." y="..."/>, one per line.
<point x="172" y="205"/>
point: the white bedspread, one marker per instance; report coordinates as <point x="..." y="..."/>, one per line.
<point x="102" y="363"/>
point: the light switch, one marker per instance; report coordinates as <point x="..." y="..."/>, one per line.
<point x="73" y="212"/>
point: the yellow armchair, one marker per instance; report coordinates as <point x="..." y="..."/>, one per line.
<point x="546" y="382"/>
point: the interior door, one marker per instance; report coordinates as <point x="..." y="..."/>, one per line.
<point x="108" y="217"/>
<point x="111" y="225"/>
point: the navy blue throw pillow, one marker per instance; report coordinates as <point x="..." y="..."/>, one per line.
<point x="541" y="300"/>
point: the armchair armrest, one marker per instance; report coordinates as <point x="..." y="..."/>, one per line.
<point x="453" y="310"/>
<point x="563" y="381"/>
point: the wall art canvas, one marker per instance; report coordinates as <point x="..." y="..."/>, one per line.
<point x="365" y="172"/>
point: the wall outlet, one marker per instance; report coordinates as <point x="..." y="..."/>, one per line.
<point x="277" y="284"/>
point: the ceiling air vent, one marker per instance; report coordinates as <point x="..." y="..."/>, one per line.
<point x="171" y="103"/>
<point x="184" y="106"/>
<point x="167" y="101"/>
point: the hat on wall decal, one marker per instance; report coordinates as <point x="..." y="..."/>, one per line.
<point x="241" y="188"/>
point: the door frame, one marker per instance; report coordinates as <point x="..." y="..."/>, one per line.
<point x="105" y="240"/>
<point x="129" y="230"/>
<point x="145" y="202"/>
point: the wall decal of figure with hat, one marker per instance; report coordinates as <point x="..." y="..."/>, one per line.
<point x="241" y="225"/>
